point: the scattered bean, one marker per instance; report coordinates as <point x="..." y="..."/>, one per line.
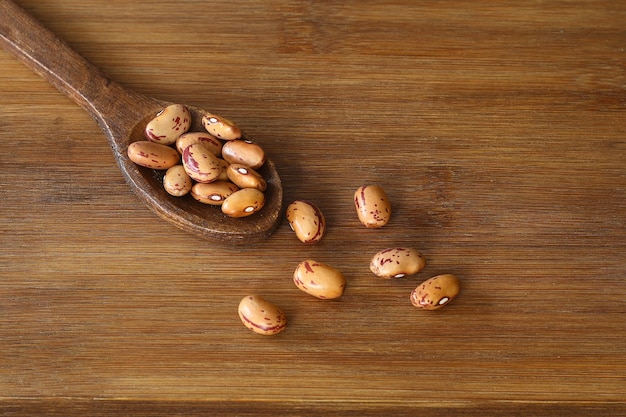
<point x="213" y="193"/>
<point x="200" y="163"/>
<point x="225" y="174"/>
<point x="243" y="202"/>
<point x="244" y="152"/>
<point x="220" y="127"/>
<point x="245" y="177"/>
<point x="261" y="316"/>
<point x="372" y="206"/>
<point x="306" y="220"/>
<point x="152" y="155"/>
<point x="436" y="292"/>
<point x="168" y="124"/>
<point x="176" y="181"/>
<point x="319" y="280"/>
<point x="397" y="262"/>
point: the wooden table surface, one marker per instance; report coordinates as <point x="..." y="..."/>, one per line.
<point x="497" y="128"/>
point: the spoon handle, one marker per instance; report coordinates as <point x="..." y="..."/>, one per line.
<point x="53" y="59"/>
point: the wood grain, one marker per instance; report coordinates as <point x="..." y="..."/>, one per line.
<point x="497" y="130"/>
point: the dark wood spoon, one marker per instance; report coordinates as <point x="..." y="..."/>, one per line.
<point x="122" y="115"/>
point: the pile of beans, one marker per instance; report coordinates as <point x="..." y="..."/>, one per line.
<point x="326" y="282"/>
<point x="216" y="167"/>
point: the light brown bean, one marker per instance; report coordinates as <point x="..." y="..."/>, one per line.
<point x="245" y="177"/>
<point x="319" y="280"/>
<point x="306" y="220"/>
<point x="244" y="152"/>
<point x="436" y="292"/>
<point x="210" y="142"/>
<point x="372" y="206"/>
<point x="261" y="316"/>
<point x="397" y="262"/>
<point x="168" y="124"/>
<point x="152" y="155"/>
<point x="213" y="193"/>
<point x="176" y="181"/>
<point x="220" y="127"/>
<point x="244" y="202"/>
<point x="200" y="163"/>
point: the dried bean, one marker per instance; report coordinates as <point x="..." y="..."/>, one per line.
<point x="319" y="280"/>
<point x="220" y="127"/>
<point x="306" y="220"/>
<point x="152" y="155"/>
<point x="372" y="206"/>
<point x="168" y="124"/>
<point x="436" y="292"/>
<point x="261" y="316"/>
<point x="176" y="181"/>
<point x="244" y="152"/>
<point x="213" y="193"/>
<point x="212" y="143"/>
<point x="397" y="262"/>
<point x="245" y="177"/>
<point x="243" y="203"/>
<point x="200" y="163"/>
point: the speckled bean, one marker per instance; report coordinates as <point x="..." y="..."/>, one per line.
<point x="243" y="203"/>
<point x="152" y="155"/>
<point x="436" y="292"/>
<point x="168" y="124"/>
<point x="213" y="193"/>
<point x="220" y="127"/>
<point x="176" y="181"/>
<point x="397" y="262"/>
<point x="261" y="316"/>
<point x="372" y="206"/>
<point x="200" y="163"/>
<point x="244" y="152"/>
<point x="319" y="280"/>
<point x="245" y="177"/>
<point x="306" y="220"/>
<point x="212" y="143"/>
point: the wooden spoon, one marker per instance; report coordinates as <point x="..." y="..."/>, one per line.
<point x="122" y="114"/>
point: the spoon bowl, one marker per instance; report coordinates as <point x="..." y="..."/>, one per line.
<point x="122" y="115"/>
<point x="188" y="214"/>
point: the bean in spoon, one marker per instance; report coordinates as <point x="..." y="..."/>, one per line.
<point x="122" y="114"/>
